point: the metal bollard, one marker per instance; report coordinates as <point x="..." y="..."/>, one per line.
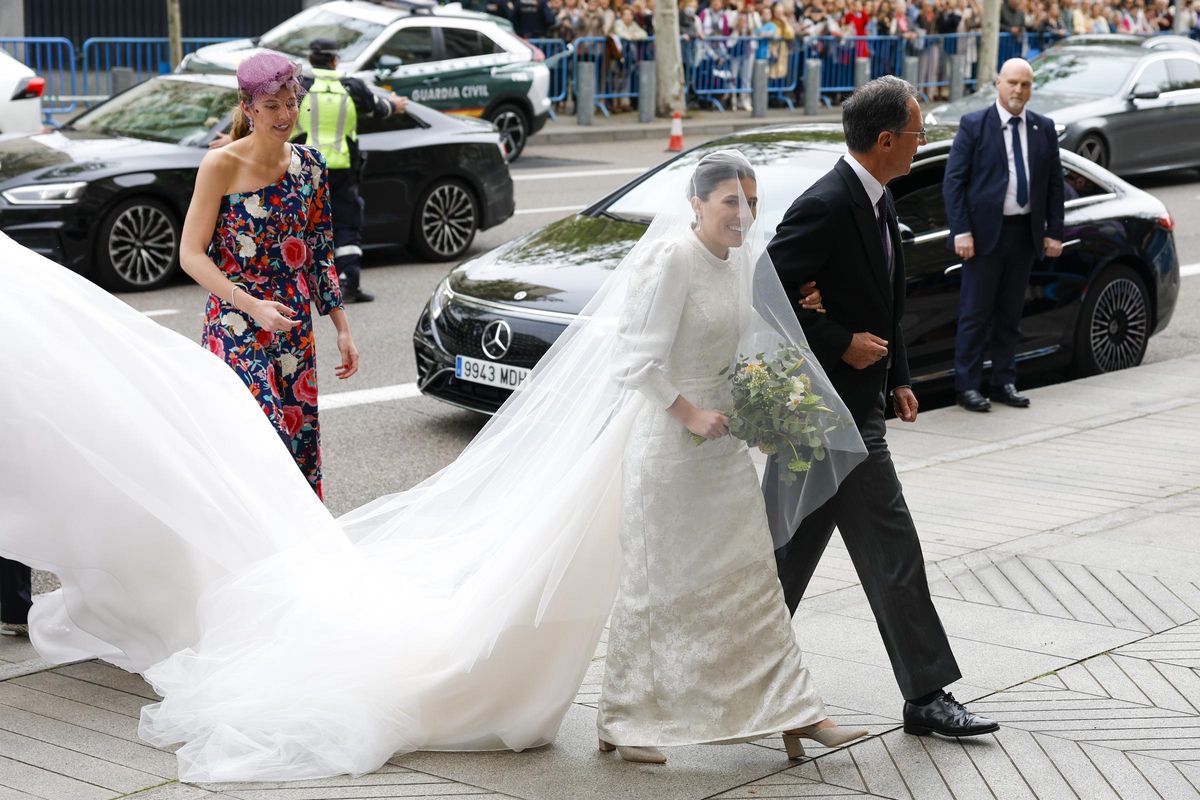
<point x="911" y="69"/>
<point x="647" y="91"/>
<point x="958" y="72"/>
<point x="758" y="89"/>
<point x="862" y="71"/>
<point x="812" y="86"/>
<point x="123" y="78"/>
<point x="585" y="92"/>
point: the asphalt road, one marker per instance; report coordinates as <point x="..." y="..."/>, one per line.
<point x="385" y="441"/>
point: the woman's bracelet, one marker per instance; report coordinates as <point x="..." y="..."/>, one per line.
<point x="233" y="295"/>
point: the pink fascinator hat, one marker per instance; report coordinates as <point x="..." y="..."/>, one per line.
<point x="266" y="73"/>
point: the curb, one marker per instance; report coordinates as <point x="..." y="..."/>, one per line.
<point x="563" y="131"/>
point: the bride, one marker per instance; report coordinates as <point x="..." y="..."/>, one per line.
<point x="460" y="614"/>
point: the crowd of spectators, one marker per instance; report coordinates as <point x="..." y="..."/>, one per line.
<point x="779" y="27"/>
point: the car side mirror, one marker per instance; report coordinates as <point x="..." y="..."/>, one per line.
<point x="906" y="233"/>
<point x="1144" y="91"/>
<point x="385" y="65"/>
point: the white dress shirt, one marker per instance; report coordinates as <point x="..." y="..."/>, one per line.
<point x="1010" y="195"/>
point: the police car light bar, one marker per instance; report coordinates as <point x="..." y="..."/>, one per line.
<point x="407" y="5"/>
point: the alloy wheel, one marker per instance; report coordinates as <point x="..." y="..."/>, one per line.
<point x="511" y="126"/>
<point x="142" y="245"/>
<point x="1093" y="150"/>
<point x="1119" y="326"/>
<point x="448" y="220"/>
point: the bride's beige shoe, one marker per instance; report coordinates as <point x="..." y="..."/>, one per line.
<point x="640" y="755"/>
<point x="833" y="736"/>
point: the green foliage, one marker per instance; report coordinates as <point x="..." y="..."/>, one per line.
<point x="776" y="410"/>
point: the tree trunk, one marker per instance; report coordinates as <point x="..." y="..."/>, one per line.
<point x="668" y="59"/>
<point x="989" y="43"/>
<point x="175" y="32"/>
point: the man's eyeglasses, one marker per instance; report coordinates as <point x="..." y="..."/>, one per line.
<point x="921" y="135"/>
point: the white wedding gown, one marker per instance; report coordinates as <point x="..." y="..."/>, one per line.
<point x="459" y="615"/>
<point x="694" y="657"/>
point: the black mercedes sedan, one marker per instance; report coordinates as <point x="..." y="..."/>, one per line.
<point x="1091" y="310"/>
<point x="1129" y="104"/>
<point x="106" y="194"/>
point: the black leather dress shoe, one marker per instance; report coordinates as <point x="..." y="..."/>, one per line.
<point x="946" y="716"/>
<point x="972" y="400"/>
<point x="356" y="296"/>
<point x="1007" y="394"/>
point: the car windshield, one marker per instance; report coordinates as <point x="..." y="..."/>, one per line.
<point x="162" y="110"/>
<point x="793" y="167"/>
<point x="1077" y="71"/>
<point x="352" y="35"/>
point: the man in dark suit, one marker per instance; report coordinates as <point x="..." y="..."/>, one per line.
<point x="842" y="233"/>
<point x="1004" y="200"/>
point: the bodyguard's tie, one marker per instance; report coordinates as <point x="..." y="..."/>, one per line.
<point x="885" y="238"/>
<point x="1019" y="162"/>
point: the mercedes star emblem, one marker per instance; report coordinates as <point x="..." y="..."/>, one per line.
<point x="497" y="338"/>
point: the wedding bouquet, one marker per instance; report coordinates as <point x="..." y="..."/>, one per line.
<point x="776" y="410"/>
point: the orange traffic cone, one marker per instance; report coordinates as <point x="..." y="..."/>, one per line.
<point x="675" y="144"/>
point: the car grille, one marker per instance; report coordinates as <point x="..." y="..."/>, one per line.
<point x="460" y="329"/>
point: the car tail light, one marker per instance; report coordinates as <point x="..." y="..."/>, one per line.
<point x="1166" y="222"/>
<point x="29" y="87"/>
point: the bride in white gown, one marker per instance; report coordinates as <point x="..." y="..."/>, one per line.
<point x="458" y="615"/>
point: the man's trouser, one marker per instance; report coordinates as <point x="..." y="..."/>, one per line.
<point x="347" y="226"/>
<point x="15" y="592"/>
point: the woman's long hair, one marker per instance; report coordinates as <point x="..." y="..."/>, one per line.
<point x="240" y="127"/>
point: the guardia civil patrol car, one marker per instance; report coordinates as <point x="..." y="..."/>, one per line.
<point x="453" y="60"/>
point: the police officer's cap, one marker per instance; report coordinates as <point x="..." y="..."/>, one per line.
<point x="323" y="46"/>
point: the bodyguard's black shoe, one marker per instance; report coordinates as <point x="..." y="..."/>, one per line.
<point x="946" y="716"/>
<point x="1007" y="394"/>
<point x="972" y="400"/>
<point x="356" y="296"/>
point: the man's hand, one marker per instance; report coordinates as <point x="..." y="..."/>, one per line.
<point x="864" y="350"/>
<point x="1053" y="247"/>
<point x="220" y="140"/>
<point x="964" y="246"/>
<point x="399" y="104"/>
<point x="905" y="403"/>
<point x="810" y="298"/>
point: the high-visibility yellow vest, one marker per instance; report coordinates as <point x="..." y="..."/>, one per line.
<point x="329" y="118"/>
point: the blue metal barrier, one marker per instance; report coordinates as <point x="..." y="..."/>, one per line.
<point x="146" y="56"/>
<point x="616" y="69"/>
<point x="837" y="55"/>
<point x="560" y="70"/>
<point x="722" y="67"/>
<point x="52" y="58"/>
<point x="785" y="67"/>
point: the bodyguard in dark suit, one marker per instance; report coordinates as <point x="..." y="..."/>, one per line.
<point x="1004" y="199"/>
<point x="842" y="233"/>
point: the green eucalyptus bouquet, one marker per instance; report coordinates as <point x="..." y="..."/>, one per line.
<point x="776" y="410"/>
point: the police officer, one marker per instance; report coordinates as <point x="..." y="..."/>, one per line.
<point x="328" y="121"/>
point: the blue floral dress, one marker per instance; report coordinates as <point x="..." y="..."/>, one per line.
<point x="277" y="244"/>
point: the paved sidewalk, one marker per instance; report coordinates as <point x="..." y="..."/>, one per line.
<point x="1063" y="552"/>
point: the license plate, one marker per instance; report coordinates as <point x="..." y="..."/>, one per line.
<point x="489" y="373"/>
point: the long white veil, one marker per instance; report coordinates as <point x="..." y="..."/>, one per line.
<point x="460" y="614"/>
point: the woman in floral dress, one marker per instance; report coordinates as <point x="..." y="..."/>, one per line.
<point x="258" y="236"/>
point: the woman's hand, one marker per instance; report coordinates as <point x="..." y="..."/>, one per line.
<point x="349" y="353"/>
<point x="708" y="424"/>
<point x="271" y="316"/>
<point x="810" y="298"/>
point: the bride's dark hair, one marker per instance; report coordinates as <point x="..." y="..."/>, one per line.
<point x="716" y="168"/>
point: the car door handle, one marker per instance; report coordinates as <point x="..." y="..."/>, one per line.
<point x="1072" y="243"/>
<point x="952" y="268"/>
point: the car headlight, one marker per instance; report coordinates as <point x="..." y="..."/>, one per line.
<point x="1060" y="130"/>
<point x="441" y="296"/>
<point x="46" y="194"/>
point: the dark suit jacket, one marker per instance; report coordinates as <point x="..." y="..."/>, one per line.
<point x="977" y="179"/>
<point x="830" y="236"/>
